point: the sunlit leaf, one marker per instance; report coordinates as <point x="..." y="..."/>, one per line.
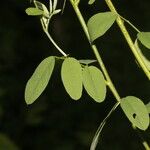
<point x="144" y="38"/>
<point x="87" y="61"/>
<point x="94" y="83"/>
<point x="71" y="74"/>
<point x="136" y="112"/>
<point x="6" y="143"/>
<point x="91" y="2"/>
<point x="141" y="51"/>
<point x="32" y="11"/>
<point x="39" y="80"/>
<point x="148" y="107"/>
<point x="100" y="23"/>
<point x="42" y="7"/>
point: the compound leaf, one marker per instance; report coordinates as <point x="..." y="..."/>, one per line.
<point x="136" y="111"/>
<point x="71" y="74"/>
<point x="94" y="83"/>
<point x="39" y="80"/>
<point x="100" y="23"/>
<point x="144" y="38"/>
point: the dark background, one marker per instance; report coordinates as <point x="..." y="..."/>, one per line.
<point x="54" y="121"/>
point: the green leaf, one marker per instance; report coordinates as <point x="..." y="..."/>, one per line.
<point x="143" y="52"/>
<point x="42" y="7"/>
<point x="94" y="83"/>
<point x="144" y="38"/>
<point x="6" y="143"/>
<point x="71" y="74"/>
<point x="39" y="80"/>
<point x="100" y="23"/>
<point x="32" y="11"/>
<point x="91" y="2"/>
<point x="148" y="107"/>
<point x="136" y="112"/>
<point x="87" y="61"/>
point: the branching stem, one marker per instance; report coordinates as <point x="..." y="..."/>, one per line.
<point x="95" y="50"/>
<point x="133" y="26"/>
<point x="45" y="25"/>
<point x="128" y="39"/>
<point x="54" y="43"/>
<point x="102" y="66"/>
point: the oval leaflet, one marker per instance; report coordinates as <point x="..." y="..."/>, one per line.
<point x="34" y="11"/>
<point x="144" y="38"/>
<point x="143" y="57"/>
<point x="39" y="80"/>
<point x="136" y="111"/>
<point x="148" y="107"/>
<point x="99" y="23"/>
<point x="94" y="83"/>
<point x="71" y="74"/>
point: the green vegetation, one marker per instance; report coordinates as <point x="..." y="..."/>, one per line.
<point x="106" y="72"/>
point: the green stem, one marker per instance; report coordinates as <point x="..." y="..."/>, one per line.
<point x="133" y="26"/>
<point x="45" y="29"/>
<point x="95" y="50"/>
<point x="45" y="26"/>
<point x="54" y="43"/>
<point x="81" y="19"/>
<point x="132" y="47"/>
<point x="145" y="144"/>
<point x="64" y="4"/>
<point x="128" y="39"/>
<point x="99" y="59"/>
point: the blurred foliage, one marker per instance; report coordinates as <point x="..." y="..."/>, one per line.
<point x="6" y="143"/>
<point x="54" y="121"/>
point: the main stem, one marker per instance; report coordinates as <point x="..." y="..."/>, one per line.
<point x="128" y="39"/>
<point x="99" y="59"/>
<point x="132" y="47"/>
<point x="95" y="50"/>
